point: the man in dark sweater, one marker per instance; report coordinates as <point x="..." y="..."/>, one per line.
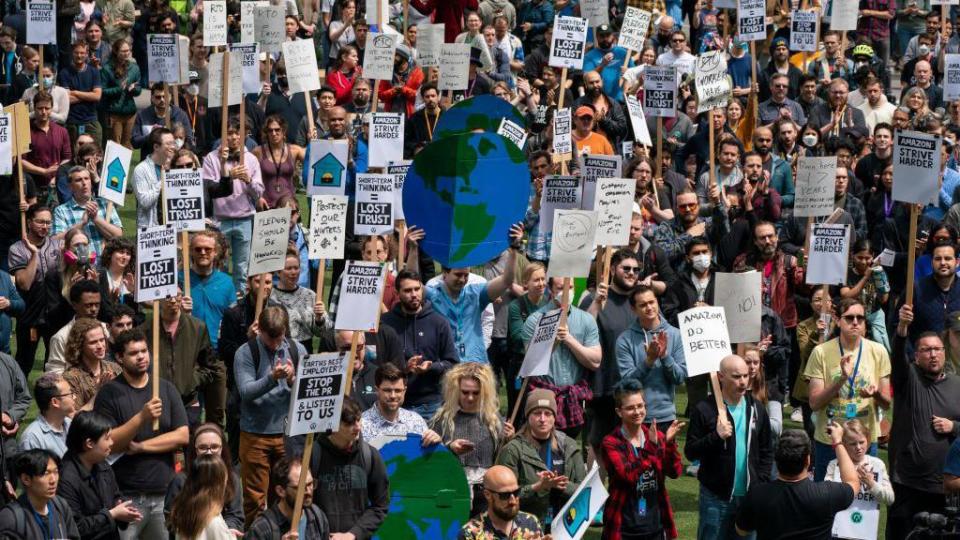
<point x="926" y="419"/>
<point x="936" y="295"/>
<point x="275" y="521"/>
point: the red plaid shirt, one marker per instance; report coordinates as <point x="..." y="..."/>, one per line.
<point x="569" y="401"/>
<point x="624" y="470"/>
<point x="872" y="27"/>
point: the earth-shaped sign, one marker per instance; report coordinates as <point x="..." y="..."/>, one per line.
<point x="465" y="191"/>
<point x="429" y="494"/>
<point x="479" y="112"/>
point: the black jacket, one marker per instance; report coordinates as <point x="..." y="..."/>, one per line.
<point x="233" y="332"/>
<point x="361" y="506"/>
<point x="426" y="333"/>
<point x="17" y="523"/>
<point x="717" y="455"/>
<point x="91" y="495"/>
<point x="271" y="524"/>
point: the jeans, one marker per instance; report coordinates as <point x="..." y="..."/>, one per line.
<point x="426" y="410"/>
<point x="239" y="233"/>
<point x="257" y="453"/>
<point x="824" y="453"/>
<point x="717" y="517"/>
<point x="152" y="526"/>
<point x="904" y="35"/>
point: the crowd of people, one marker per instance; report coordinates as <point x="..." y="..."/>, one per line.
<point x="855" y="365"/>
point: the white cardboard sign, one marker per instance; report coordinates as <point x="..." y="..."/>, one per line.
<point x="378" y="56"/>
<point x="316" y="398"/>
<point x="327" y="173"/>
<point x="360" y="289"/>
<point x="156" y="263"/>
<point x="916" y="167"/>
<point x="712" y="82"/>
<point x="562" y="132"/>
<point x="803" y="31"/>
<point x="751" y="20"/>
<point x="301" y="60"/>
<point x="215" y="79"/>
<point x="660" y="91"/>
<point x="248" y="17"/>
<point x="398" y="171"/>
<point x="559" y="193"/>
<point x="536" y="361"/>
<point x="429" y="41"/>
<point x="816" y="186"/>
<point x="703" y="332"/>
<point x="214" y="23"/>
<point x="328" y="226"/>
<point x="271" y="236"/>
<point x="115" y="173"/>
<point x="249" y="66"/>
<point x="6" y="143"/>
<point x="739" y="296"/>
<point x="386" y="138"/>
<point x="41" y="22"/>
<point x="454" y="66"/>
<point x="268" y="28"/>
<point x="374" y="199"/>
<point x="569" y="41"/>
<point x="574" y="238"/>
<point x="829" y="247"/>
<point x="592" y="167"/>
<point x="633" y="32"/>
<point x="638" y="121"/>
<point x="163" y="58"/>
<point x="614" y="205"/>
<point x="183" y="199"/>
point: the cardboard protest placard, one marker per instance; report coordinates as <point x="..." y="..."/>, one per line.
<point x="513" y="132"/>
<point x="301" y="60"/>
<point x="376" y="12"/>
<point x="595" y="12"/>
<point x="328" y="226"/>
<point x="327" y="170"/>
<point x="574" y="238"/>
<point x="183" y="199"/>
<point x="574" y="519"/>
<point x="214" y="23"/>
<point x="115" y="173"/>
<point x="41" y="22"/>
<point x="660" y="91"/>
<point x="361" y="287"/>
<point x="378" y="56"/>
<point x="703" y="332"/>
<point x="569" y="41"/>
<point x="429" y="41"/>
<point x="739" y="296"/>
<point x="861" y="520"/>
<point x="614" y="206"/>
<point x="316" y="398"/>
<point x="215" y="79"/>
<point x="156" y="263"/>
<point x="398" y="171"/>
<point x="21" y="125"/>
<point x="386" y="138"/>
<point x="454" y="66"/>
<point x="829" y="254"/>
<point x="536" y="361"/>
<point x="6" y="143"/>
<point x="751" y="20"/>
<point x="626" y="149"/>
<point x="844" y="15"/>
<point x="637" y="120"/>
<point x="268" y="28"/>
<point x="592" y="167"/>
<point x="374" y="199"/>
<point x="562" y="132"/>
<point x="248" y="18"/>
<point x="951" y="77"/>
<point x="559" y="193"/>
<point x="916" y="167"/>
<point x="803" y="31"/>
<point x="268" y="247"/>
<point x="163" y="58"/>
<point x="815" y="186"/>
<point x="633" y="31"/>
<point x="712" y="82"/>
<point x="249" y="66"/>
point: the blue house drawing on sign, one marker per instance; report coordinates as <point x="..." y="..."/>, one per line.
<point x="578" y="514"/>
<point x="116" y="175"/>
<point x="328" y="171"/>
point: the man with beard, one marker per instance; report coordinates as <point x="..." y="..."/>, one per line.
<point x="146" y="467"/>
<point x="779" y="105"/>
<point x="926" y="417"/>
<point x="937" y="295"/>
<point x="211" y="290"/>
<point x="781" y="273"/>
<point x="661" y="40"/>
<point x="870" y="167"/>
<point x="359" y="104"/>
<point x="758" y="199"/>
<point x="876" y="108"/>
<point x="775" y="169"/>
<point x="673" y="235"/>
<point x="428" y="347"/>
<point x="780" y="63"/>
<point x="503" y="517"/>
<point x="835" y="114"/>
<point x="610" y="118"/>
<point x="606" y="59"/>
<point x="274" y="522"/>
<point x="420" y="125"/>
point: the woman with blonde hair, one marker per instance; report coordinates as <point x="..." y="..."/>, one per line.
<point x="469" y="423"/>
<point x="196" y="512"/>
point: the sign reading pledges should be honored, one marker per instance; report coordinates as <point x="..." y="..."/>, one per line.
<point x="163" y="58"/>
<point x="215" y="23"/>
<point x="536" y="361"/>
<point x="751" y="20"/>
<point x="633" y="32"/>
<point x="703" y="332"/>
<point x="739" y="296"/>
<point x="827" y="263"/>
<point x="374" y="199"/>
<point x="268" y="247"/>
<point x="569" y="40"/>
<point x="712" y="82"/>
<point x="360" y="289"/>
<point x="916" y="167"/>
<point x="386" y="138"/>
<point x="41" y="22"/>
<point x="328" y="226"/>
<point x="156" y="263"/>
<point x="803" y="31"/>
<point x="183" y="199"/>
<point x="378" y="56"/>
<point x="316" y="399"/>
<point x="816" y="186"/>
<point x="301" y="61"/>
<point x="660" y="91"/>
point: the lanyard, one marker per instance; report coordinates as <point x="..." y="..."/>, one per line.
<point x="856" y="367"/>
<point x="426" y="119"/>
<point x="633" y="449"/>
<point x="549" y="455"/>
<point x="47" y="528"/>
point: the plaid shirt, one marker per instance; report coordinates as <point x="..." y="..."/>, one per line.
<point x="872" y="27"/>
<point x="569" y="400"/>
<point x="624" y="469"/>
<point x="69" y="214"/>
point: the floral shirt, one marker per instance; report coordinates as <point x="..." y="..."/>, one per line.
<point x="480" y="528"/>
<point x="85" y="384"/>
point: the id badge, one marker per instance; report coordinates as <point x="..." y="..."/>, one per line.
<point x="81" y="129"/>
<point x="642" y="507"/>
<point x="851" y="411"/>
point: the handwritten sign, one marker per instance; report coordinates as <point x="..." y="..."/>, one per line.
<point x="574" y="238"/>
<point x="703" y="332"/>
<point x="638" y="121"/>
<point x="374" y="199"/>
<point x="739" y="296"/>
<point x="751" y="20"/>
<point x="183" y="199"/>
<point x="559" y="193"/>
<point x="594" y="166"/>
<point x="454" y="66"/>
<point x="829" y="247"/>
<point x="536" y="361"/>
<point x="816" y="186"/>
<point x="803" y="31"/>
<point x="360" y="289"/>
<point x="429" y="42"/>
<point x="378" y="56"/>
<point x="386" y="138"/>
<point x="569" y="40"/>
<point x="41" y="22"/>
<point x="316" y="398"/>
<point x="214" y="23"/>
<point x="660" y="91"/>
<point x="712" y="82"/>
<point x="301" y="60"/>
<point x="268" y="28"/>
<point x="248" y="17"/>
<point x="215" y="79"/>
<point x="633" y="32"/>
<point x="156" y="263"/>
<point x="268" y="247"/>
<point x="844" y="15"/>
<point x="916" y="167"/>
<point x="328" y="225"/>
<point x="614" y="206"/>
<point x="163" y="58"/>
<point x="595" y="11"/>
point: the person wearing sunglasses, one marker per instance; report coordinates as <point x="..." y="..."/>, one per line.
<point x="503" y="518"/>
<point x="849" y="378"/>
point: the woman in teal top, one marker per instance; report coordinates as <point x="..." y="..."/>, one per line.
<point x="121" y="84"/>
<point x="534" y="279"/>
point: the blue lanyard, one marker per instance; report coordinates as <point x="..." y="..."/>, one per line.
<point x="633" y="449"/>
<point x="856" y="367"/>
<point x="550" y="455"/>
<point x="46" y="528"/>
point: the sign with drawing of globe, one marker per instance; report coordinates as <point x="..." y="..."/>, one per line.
<point x="479" y="112"/>
<point x="465" y="192"/>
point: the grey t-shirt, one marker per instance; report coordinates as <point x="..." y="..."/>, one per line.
<point x="49" y="257"/>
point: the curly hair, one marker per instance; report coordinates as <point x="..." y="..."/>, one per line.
<point x="77" y="339"/>
<point x="115" y="245"/>
<point x="489" y="403"/>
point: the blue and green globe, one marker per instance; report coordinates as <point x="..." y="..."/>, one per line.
<point x="465" y="192"/>
<point x="479" y="112"/>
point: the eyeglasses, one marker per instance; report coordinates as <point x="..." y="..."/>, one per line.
<point x="853" y="318"/>
<point x="781" y="85"/>
<point x="70" y="393"/>
<point x="930" y="350"/>
<point x="209" y="449"/>
<point x="630" y="269"/>
<point x="43" y="223"/>
<point x="203" y="249"/>
<point x="274" y="130"/>
<point x="505" y="495"/>
<point x="678" y="40"/>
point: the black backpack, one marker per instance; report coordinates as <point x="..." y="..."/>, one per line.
<point x="255" y="351"/>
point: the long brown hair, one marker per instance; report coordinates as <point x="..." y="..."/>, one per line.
<point x="205" y="487"/>
<point x="758" y="386"/>
<point x="120" y="67"/>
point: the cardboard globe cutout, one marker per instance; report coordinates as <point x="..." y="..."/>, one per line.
<point x="482" y="112"/>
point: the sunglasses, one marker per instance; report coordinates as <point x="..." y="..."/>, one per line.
<point x="505" y="495"/>
<point x="630" y="269"/>
<point x="854" y="318"/>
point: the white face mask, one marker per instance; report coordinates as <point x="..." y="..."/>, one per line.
<point x="923" y="50"/>
<point x="810" y="140"/>
<point x="179" y="143"/>
<point x="193" y="89"/>
<point x="701" y="263"/>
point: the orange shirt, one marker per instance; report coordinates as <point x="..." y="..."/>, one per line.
<point x="594" y="143"/>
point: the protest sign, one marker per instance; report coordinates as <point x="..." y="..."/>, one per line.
<point x="562" y="134"/>
<point x="626" y="149"/>
<point x="944" y="2"/>
<point x="248" y="17"/>
<point x="328" y="226"/>
<point x="595" y="12"/>
<point x="249" y="66"/>
<point x="593" y="166"/>
<point x="376" y="13"/>
<point x="574" y="233"/>
<point x="559" y="193"/>
<point x="827" y="262"/>
<point x="951" y="78"/>
<point x="41" y="22"/>
<point x="916" y="167"/>
<point x="703" y="332"/>
<point x="725" y="4"/>
<point x="398" y="171"/>
<point x="156" y="263"/>
<point x="378" y="56"/>
<point x="301" y="60"/>
<point x="163" y="58"/>
<point x="861" y="520"/>
<point x="816" y="186"/>
<point x="751" y="20"/>
<point x="712" y="82"/>
<point x="614" y="206"/>
<point x="639" y="123"/>
<point x="739" y="296"/>
<point x="183" y="199"/>
<point x="327" y="172"/>
<point x="268" y="247"/>
<point x="21" y="124"/>
<point x="316" y="398"/>
<point x="6" y="143"/>
<point x="569" y="40"/>
<point x="215" y="23"/>
<point x="361" y="286"/>
<point x="844" y="15"/>
<point x="183" y="49"/>
<point x="374" y="199"/>
<point x="513" y="131"/>
<point x="454" y="66"/>
<point x="660" y="91"/>
<point x="803" y="31"/>
<point x="386" y="138"/>
<point x="887" y="257"/>
<point x="633" y="32"/>
<point x="536" y="361"/>
<point x="268" y="28"/>
<point x="215" y="79"/>
<point x="429" y="41"/>
<point x="115" y="172"/>
<point x="573" y="520"/>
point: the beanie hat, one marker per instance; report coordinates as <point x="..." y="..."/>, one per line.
<point x="540" y="399"/>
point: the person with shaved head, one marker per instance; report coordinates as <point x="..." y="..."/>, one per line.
<point x="503" y="518"/>
<point x="735" y="450"/>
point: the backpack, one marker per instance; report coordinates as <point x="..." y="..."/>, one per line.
<point x="20" y="516"/>
<point x="255" y="350"/>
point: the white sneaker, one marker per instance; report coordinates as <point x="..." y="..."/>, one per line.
<point x="797" y="415"/>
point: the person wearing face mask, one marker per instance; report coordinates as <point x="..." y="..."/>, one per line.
<point x="194" y="104"/>
<point x="155" y="116"/>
